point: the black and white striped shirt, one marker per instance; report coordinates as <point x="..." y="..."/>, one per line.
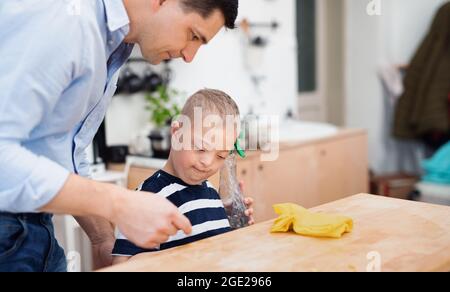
<point x="201" y="204"/>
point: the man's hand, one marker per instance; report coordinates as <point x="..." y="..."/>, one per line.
<point x="249" y="203"/>
<point x="147" y="219"/>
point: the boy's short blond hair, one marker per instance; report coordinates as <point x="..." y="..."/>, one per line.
<point x="211" y="101"/>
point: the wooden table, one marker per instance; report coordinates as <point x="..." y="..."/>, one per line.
<point x="388" y="235"/>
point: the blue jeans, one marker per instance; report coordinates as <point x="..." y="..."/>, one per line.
<point x="28" y="244"/>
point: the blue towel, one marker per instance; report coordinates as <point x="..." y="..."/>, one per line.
<point x="437" y="169"/>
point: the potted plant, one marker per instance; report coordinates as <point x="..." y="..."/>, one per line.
<point x="163" y="107"/>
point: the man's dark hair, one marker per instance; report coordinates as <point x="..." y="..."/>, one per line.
<point x="205" y="8"/>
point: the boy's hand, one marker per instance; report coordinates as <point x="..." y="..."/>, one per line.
<point x="249" y="203"/>
<point x="249" y="212"/>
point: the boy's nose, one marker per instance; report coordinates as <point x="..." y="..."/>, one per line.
<point x="206" y="160"/>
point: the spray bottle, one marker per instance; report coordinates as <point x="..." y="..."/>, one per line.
<point x="230" y="191"/>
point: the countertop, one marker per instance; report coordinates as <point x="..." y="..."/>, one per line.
<point x="388" y="235"/>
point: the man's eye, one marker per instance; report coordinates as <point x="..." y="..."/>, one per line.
<point x="195" y="37"/>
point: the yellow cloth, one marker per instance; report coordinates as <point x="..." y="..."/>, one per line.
<point x="304" y="222"/>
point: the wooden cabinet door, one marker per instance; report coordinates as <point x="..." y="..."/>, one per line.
<point x="246" y="170"/>
<point x="292" y="178"/>
<point x="342" y="168"/>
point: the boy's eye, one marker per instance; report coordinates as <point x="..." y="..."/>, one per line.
<point x="195" y="37"/>
<point x="223" y="156"/>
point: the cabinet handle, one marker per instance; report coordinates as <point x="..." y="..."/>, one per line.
<point x="323" y="152"/>
<point x="244" y="172"/>
<point x="261" y="167"/>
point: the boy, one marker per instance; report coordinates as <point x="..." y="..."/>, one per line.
<point x="202" y="138"/>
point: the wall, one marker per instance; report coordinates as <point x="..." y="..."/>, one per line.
<point x="409" y="21"/>
<point x="221" y="65"/>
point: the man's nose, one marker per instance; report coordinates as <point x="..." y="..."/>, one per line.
<point x="190" y="51"/>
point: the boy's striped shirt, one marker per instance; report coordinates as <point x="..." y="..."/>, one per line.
<point x="201" y="204"/>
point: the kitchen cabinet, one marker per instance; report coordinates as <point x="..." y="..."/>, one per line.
<point x="291" y="178"/>
<point x="342" y="168"/>
<point x="308" y="173"/>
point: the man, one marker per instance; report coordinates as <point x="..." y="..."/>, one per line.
<point x="58" y="70"/>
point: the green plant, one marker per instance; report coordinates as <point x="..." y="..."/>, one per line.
<point x="162" y="105"/>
